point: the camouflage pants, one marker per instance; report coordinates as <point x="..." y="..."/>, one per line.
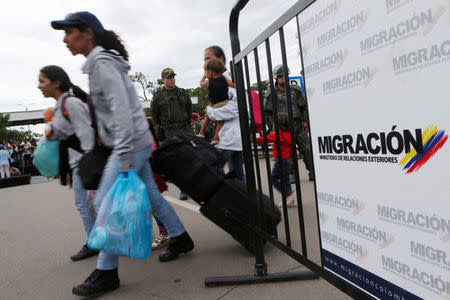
<point x="304" y="147"/>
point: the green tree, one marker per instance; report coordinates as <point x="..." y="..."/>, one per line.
<point x="10" y="135"/>
<point x="202" y="94"/>
<point x="264" y="86"/>
<point x="4" y="123"/>
<point x="147" y="86"/>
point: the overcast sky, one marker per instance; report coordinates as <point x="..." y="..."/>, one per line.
<point x="157" y="34"/>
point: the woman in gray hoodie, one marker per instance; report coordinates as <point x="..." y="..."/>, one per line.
<point x="122" y="125"/>
<point x="71" y="117"/>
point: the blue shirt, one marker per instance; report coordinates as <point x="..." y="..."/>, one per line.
<point x="4" y="155"/>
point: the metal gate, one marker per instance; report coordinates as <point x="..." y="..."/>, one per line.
<point x="241" y="74"/>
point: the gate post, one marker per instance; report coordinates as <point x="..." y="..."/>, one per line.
<point x="260" y="274"/>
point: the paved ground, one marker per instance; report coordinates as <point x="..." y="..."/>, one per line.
<point x="40" y="228"/>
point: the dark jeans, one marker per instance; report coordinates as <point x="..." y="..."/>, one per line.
<point x="17" y="160"/>
<point x="27" y="159"/>
<point x="235" y="162"/>
<point x="277" y="176"/>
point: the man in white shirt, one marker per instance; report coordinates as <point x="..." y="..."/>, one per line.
<point x="27" y="152"/>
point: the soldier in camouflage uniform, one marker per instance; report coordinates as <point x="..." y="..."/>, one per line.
<point x="299" y="112"/>
<point x="171" y="109"/>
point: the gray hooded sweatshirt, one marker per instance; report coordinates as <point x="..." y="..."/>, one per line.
<point x="80" y="125"/>
<point x="121" y="120"/>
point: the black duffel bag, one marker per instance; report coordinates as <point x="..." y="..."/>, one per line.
<point x="192" y="164"/>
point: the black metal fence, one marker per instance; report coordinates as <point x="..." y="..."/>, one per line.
<point x="241" y="72"/>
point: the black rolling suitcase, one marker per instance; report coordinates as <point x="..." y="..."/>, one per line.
<point x="230" y="208"/>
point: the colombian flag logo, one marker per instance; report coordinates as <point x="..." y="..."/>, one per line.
<point x="433" y="140"/>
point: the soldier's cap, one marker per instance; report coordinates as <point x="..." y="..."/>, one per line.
<point x="167" y="72"/>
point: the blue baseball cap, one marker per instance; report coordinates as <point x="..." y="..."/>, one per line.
<point x="79" y="18"/>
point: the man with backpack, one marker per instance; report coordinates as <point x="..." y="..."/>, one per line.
<point x="171" y="110"/>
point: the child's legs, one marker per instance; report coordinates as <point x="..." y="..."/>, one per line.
<point x="219" y="125"/>
<point x="276" y="176"/>
<point x="205" y="123"/>
<point x="287" y="163"/>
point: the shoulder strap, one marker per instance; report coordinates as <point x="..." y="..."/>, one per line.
<point x="63" y="107"/>
<point x="97" y="139"/>
<point x="165" y="95"/>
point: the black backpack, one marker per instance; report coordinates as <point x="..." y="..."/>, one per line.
<point x="192" y="164"/>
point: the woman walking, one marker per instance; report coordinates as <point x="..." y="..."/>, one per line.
<point x="70" y="117"/>
<point x="122" y="125"/>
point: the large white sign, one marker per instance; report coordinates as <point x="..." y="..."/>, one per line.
<point x="377" y="76"/>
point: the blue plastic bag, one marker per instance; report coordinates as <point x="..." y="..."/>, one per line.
<point x="124" y="221"/>
<point x="46" y="158"/>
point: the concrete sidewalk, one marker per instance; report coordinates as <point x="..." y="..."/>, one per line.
<point x="40" y="229"/>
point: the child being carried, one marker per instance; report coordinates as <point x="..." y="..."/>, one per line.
<point x="217" y="92"/>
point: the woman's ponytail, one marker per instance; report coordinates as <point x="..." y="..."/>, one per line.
<point x="109" y="40"/>
<point x="78" y="92"/>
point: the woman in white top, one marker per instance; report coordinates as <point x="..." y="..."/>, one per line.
<point x="4" y="162"/>
<point x="230" y="142"/>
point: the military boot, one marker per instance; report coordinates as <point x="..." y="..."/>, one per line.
<point x="99" y="282"/>
<point x="179" y="244"/>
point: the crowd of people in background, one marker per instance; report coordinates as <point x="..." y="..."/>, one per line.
<point x="16" y="157"/>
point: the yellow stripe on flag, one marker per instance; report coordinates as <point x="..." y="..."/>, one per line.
<point x="426" y="136"/>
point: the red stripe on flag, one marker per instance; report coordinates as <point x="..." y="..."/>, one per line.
<point x="427" y="156"/>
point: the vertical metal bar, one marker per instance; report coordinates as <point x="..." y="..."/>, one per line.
<point x="232" y="71"/>
<point x="263" y="121"/>
<point x="260" y="264"/>
<point x="309" y="129"/>
<point x="253" y="135"/>
<point x="277" y="140"/>
<point x="293" y="139"/>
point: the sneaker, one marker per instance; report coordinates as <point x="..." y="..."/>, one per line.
<point x="200" y="135"/>
<point x="183" y="196"/>
<point x="214" y="142"/>
<point x="84" y="252"/>
<point x="161" y="241"/>
<point x="291" y="200"/>
<point x="99" y="282"/>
